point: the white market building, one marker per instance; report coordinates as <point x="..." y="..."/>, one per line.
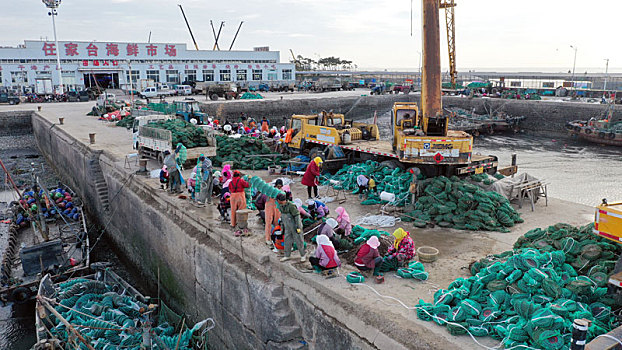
<point x="116" y="64"/>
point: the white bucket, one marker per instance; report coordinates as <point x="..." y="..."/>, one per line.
<point x="386" y="196"/>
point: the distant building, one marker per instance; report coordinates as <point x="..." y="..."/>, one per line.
<point x="121" y="65"/>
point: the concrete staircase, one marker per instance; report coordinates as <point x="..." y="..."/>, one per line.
<point x="100" y="183"/>
<point x="289" y="334"/>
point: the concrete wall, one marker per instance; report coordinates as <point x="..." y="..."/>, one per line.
<point x="541" y="117"/>
<point x="15" y="123"/>
<point x="279" y="110"/>
<point x="257" y="302"/>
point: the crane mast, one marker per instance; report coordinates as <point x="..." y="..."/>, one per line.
<point x="449" y="6"/>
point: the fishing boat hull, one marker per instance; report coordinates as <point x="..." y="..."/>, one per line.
<point x="583" y="131"/>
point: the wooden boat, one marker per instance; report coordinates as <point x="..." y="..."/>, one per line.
<point x="103" y="311"/>
<point x="47" y="234"/>
<point x="597" y="131"/>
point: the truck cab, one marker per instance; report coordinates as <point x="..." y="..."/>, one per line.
<point x="6" y="98"/>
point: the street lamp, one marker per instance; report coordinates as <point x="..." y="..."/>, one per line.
<point x="574" y="64"/>
<point x="606" y="71"/>
<point x="53" y="5"/>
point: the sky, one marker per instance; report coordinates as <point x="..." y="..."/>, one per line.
<point x="528" y="35"/>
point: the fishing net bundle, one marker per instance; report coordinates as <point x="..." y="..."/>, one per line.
<point x="456" y="203"/>
<point x="242" y="152"/>
<point x="529" y="296"/>
<point x="183" y="132"/>
<point x="108" y="320"/>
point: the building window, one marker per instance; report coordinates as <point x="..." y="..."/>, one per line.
<point x="240" y="75"/>
<point x="19" y="78"/>
<point x="44" y="74"/>
<point x="272" y="74"/>
<point x="287" y="74"/>
<point x="225" y="75"/>
<point x="153" y="75"/>
<point x="257" y="74"/>
<point x="208" y="75"/>
<point x="172" y="76"/>
<point x="548" y="84"/>
<point x="132" y="76"/>
<point x="515" y="84"/>
<point x="191" y="75"/>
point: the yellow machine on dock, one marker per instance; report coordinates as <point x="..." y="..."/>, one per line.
<point x="608" y="221"/>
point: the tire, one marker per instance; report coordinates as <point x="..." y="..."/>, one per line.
<point x="392" y="164"/>
<point x="213" y="97"/>
<point x="228" y="97"/>
<point x="588" y="131"/>
<point x="20" y="295"/>
<point x="11" y="102"/>
<point x="611" y="135"/>
<point x="601" y="135"/>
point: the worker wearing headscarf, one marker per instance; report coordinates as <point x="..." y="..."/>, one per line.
<point x="238" y="197"/>
<point x="328" y="229"/>
<point x="367" y="257"/>
<point x="344" y="221"/>
<point x="272" y="214"/>
<point x="163" y="178"/>
<point x="325" y="257"/>
<point x="403" y="248"/>
<point x="311" y="176"/>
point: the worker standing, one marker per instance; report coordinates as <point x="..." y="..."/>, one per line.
<point x="265" y="125"/>
<point x="173" y="171"/>
<point x="207" y="180"/>
<point x="311" y="176"/>
<point x="291" y="225"/>
<point x="238" y="197"/>
<point x="272" y="214"/>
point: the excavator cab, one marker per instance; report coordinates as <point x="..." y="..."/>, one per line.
<point x="404" y="120"/>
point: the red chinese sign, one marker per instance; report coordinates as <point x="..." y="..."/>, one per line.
<point x="71" y="49"/>
<point x="92" y="49"/>
<point x="49" y="49"/>
<point x="170" y="50"/>
<point x="152" y="50"/>
<point x="132" y="50"/>
<point x="112" y="50"/>
<point x="99" y="63"/>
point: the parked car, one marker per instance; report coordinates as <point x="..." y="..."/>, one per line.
<point x="84" y="96"/>
<point x="10" y="99"/>
<point x="72" y="96"/>
<point x="183" y="90"/>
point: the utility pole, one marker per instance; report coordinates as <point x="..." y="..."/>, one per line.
<point x="606" y="71"/>
<point x="574" y="64"/>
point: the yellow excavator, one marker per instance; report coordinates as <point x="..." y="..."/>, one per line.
<point x="421" y="138"/>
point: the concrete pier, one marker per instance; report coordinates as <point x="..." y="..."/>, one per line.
<point x="256" y="301"/>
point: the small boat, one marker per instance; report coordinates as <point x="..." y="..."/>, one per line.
<point x="483" y="123"/>
<point x="47" y="234"/>
<point x="597" y="131"/>
<point x="603" y="130"/>
<point x="103" y="311"/>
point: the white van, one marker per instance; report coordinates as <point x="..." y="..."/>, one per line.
<point x="151" y="91"/>
<point x="183" y="90"/>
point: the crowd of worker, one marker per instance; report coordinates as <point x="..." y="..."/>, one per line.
<point x="283" y="215"/>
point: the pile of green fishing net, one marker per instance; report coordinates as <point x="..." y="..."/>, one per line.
<point x="182" y="131"/>
<point x="108" y="320"/>
<point x="452" y="202"/>
<point x="127" y="122"/>
<point x="529" y="296"/>
<point x="245" y="153"/>
<point x="394" y="181"/>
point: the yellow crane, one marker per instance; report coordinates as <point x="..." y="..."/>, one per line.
<point x="449" y="6"/>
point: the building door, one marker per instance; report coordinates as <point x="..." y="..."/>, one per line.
<point x="101" y="80"/>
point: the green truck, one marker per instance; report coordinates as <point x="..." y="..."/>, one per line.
<point x="10" y="99"/>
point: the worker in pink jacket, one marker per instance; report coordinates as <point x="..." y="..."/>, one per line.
<point x="272" y="213"/>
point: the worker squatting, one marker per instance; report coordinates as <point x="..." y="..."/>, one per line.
<point x="283" y="215"/>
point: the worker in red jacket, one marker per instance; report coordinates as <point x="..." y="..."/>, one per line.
<point x="368" y="258"/>
<point x="238" y="197"/>
<point x="311" y="176"/>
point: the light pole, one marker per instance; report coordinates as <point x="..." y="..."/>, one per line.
<point x="574" y="64"/>
<point x="53" y="5"/>
<point x="606" y="71"/>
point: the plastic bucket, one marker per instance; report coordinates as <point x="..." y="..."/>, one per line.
<point x="386" y="196"/>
